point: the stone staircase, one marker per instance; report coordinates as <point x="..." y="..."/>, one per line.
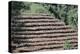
<point x="42" y="32"/>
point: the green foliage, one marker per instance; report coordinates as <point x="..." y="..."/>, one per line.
<point x="16" y="7"/>
<point x="72" y="17"/>
<point x="38" y="8"/>
<point x="67" y="45"/>
<point x="66" y="13"/>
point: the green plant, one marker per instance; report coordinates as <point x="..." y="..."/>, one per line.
<point x="64" y="12"/>
<point x="38" y="8"/>
<point x="16" y="7"/>
<point x="67" y="45"/>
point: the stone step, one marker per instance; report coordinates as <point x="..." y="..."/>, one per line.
<point x="33" y="40"/>
<point x="44" y="36"/>
<point x="33" y="17"/>
<point x="19" y="41"/>
<point x="44" y="27"/>
<point x="20" y="22"/>
<point x="41" y="28"/>
<point x="41" y="31"/>
<point x="29" y="20"/>
<point x="44" y="23"/>
<point x="22" y="25"/>
<point x="33" y="33"/>
<point x="48" y="42"/>
<point x="45" y="39"/>
<point x="35" y="48"/>
<point x="38" y="23"/>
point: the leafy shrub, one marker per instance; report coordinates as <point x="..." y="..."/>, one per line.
<point x="67" y="45"/>
<point x="38" y="8"/>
